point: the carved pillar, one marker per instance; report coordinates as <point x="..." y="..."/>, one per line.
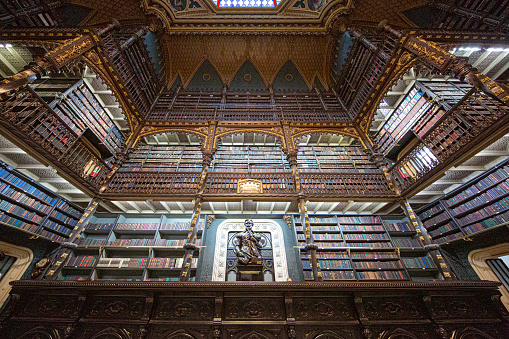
<point x="310" y="245"/>
<point x="190" y="246"/>
<point x="66" y="248"/>
<point x="434" y="249"/>
<point x="54" y="60"/>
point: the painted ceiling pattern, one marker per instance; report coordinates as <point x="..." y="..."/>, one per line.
<point x="311" y="55"/>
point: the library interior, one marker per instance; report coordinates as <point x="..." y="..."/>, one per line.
<point x="254" y="169"/>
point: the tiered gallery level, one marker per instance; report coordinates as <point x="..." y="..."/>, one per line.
<point x="309" y="108"/>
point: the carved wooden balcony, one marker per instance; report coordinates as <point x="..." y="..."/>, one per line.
<point x="29" y="119"/>
<point x="197" y="106"/>
<point x="472" y="124"/>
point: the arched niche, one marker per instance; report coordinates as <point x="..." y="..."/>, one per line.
<point x="224" y="137"/>
<point x="260" y="225"/>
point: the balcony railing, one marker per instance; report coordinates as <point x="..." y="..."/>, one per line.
<point x="454" y="134"/>
<point x="29" y="118"/>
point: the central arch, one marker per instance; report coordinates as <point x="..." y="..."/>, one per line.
<point x="260" y="225"/>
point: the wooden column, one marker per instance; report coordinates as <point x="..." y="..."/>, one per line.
<point x="433" y="248"/>
<point x="310" y="245"/>
<point x="66" y="248"/>
<point x="190" y="245"/>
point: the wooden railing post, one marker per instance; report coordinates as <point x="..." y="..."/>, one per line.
<point x="433" y="248"/>
<point x="66" y="248"/>
<point x="310" y="245"/>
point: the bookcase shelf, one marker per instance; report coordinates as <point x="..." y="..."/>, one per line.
<point x="250" y="159"/>
<point x="480" y="204"/>
<point x="30" y="207"/>
<point x="134" y="247"/>
<point x="334" y="159"/>
<point x="365" y="247"/>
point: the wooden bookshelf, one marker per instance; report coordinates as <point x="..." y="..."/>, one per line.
<point x="365" y="247"/>
<point x="30" y="207"/>
<point x="250" y="159"/>
<point x="132" y="247"/>
<point x="164" y="159"/>
<point x="478" y="205"/>
<point x="334" y="159"/>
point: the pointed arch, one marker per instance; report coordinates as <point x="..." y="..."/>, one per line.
<point x="226" y="132"/>
<point x="296" y="134"/>
<point x="205" y="76"/>
<point x="112" y="333"/>
<point x="179" y="334"/>
<point x="399" y="333"/>
<point x="283" y="82"/>
<point x="327" y="334"/>
<point x="241" y="82"/>
<point x="470" y="333"/>
<point x="41" y="332"/>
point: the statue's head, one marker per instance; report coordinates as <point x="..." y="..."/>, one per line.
<point x="248" y="223"/>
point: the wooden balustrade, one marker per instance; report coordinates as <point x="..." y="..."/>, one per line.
<point x="363" y="68"/>
<point x="453" y="134"/>
<point x="156" y="183"/>
<point x="225" y="183"/>
<point x="204" y="106"/>
<point x="345" y="185"/>
<point x="29" y="118"/>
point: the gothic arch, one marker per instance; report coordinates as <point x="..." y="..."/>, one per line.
<point x="200" y="132"/>
<point x="112" y="333"/>
<point x="470" y="333"/>
<point x="179" y="334"/>
<point x="223" y="132"/>
<point x="41" y="332"/>
<point x="327" y="334"/>
<point x="297" y="133"/>
<point x="399" y="333"/>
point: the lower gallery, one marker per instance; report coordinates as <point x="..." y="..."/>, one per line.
<point x="234" y="169"/>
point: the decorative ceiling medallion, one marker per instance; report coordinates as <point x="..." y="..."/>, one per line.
<point x="247" y="77"/>
<point x="288" y="77"/>
<point x="206" y="77"/>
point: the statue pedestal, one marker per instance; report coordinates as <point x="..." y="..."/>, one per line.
<point x="250" y="272"/>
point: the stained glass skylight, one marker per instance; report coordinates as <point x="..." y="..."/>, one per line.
<point x="248" y="3"/>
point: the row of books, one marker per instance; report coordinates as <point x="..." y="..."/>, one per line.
<point x="19" y="211"/>
<point x="122" y="262"/>
<point x="320" y="228"/>
<point x="64" y="218"/>
<point x="442" y="229"/>
<point x="170" y="263"/>
<point x="405" y="226"/>
<point x="369" y="244"/>
<point x="359" y="220"/>
<point x="499" y="191"/>
<point x="381" y="275"/>
<point x="12" y="221"/>
<point x="487" y="211"/>
<point x="489" y="181"/>
<point x="26" y="187"/>
<point x="315" y="220"/>
<point x="407" y="242"/>
<point x="448" y="238"/>
<point x="329" y="264"/>
<point x="22" y="198"/>
<point x="64" y="206"/>
<point x="82" y="261"/>
<point x="487" y="223"/>
<point x="180" y="226"/>
<point x="57" y="227"/>
<point x="131" y="226"/>
<point x="328" y="255"/>
<point x="377" y="264"/>
<point x="133" y="242"/>
<point x="101" y="226"/>
<point x="331" y="275"/>
<point x="418" y="262"/>
<point x="52" y="236"/>
<point x="374" y="255"/>
<point x="374" y="228"/>
<point x="369" y="236"/>
<point x="436" y="219"/>
<point x="330" y="244"/>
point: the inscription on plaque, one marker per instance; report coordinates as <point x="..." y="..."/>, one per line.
<point x="249" y="186"/>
